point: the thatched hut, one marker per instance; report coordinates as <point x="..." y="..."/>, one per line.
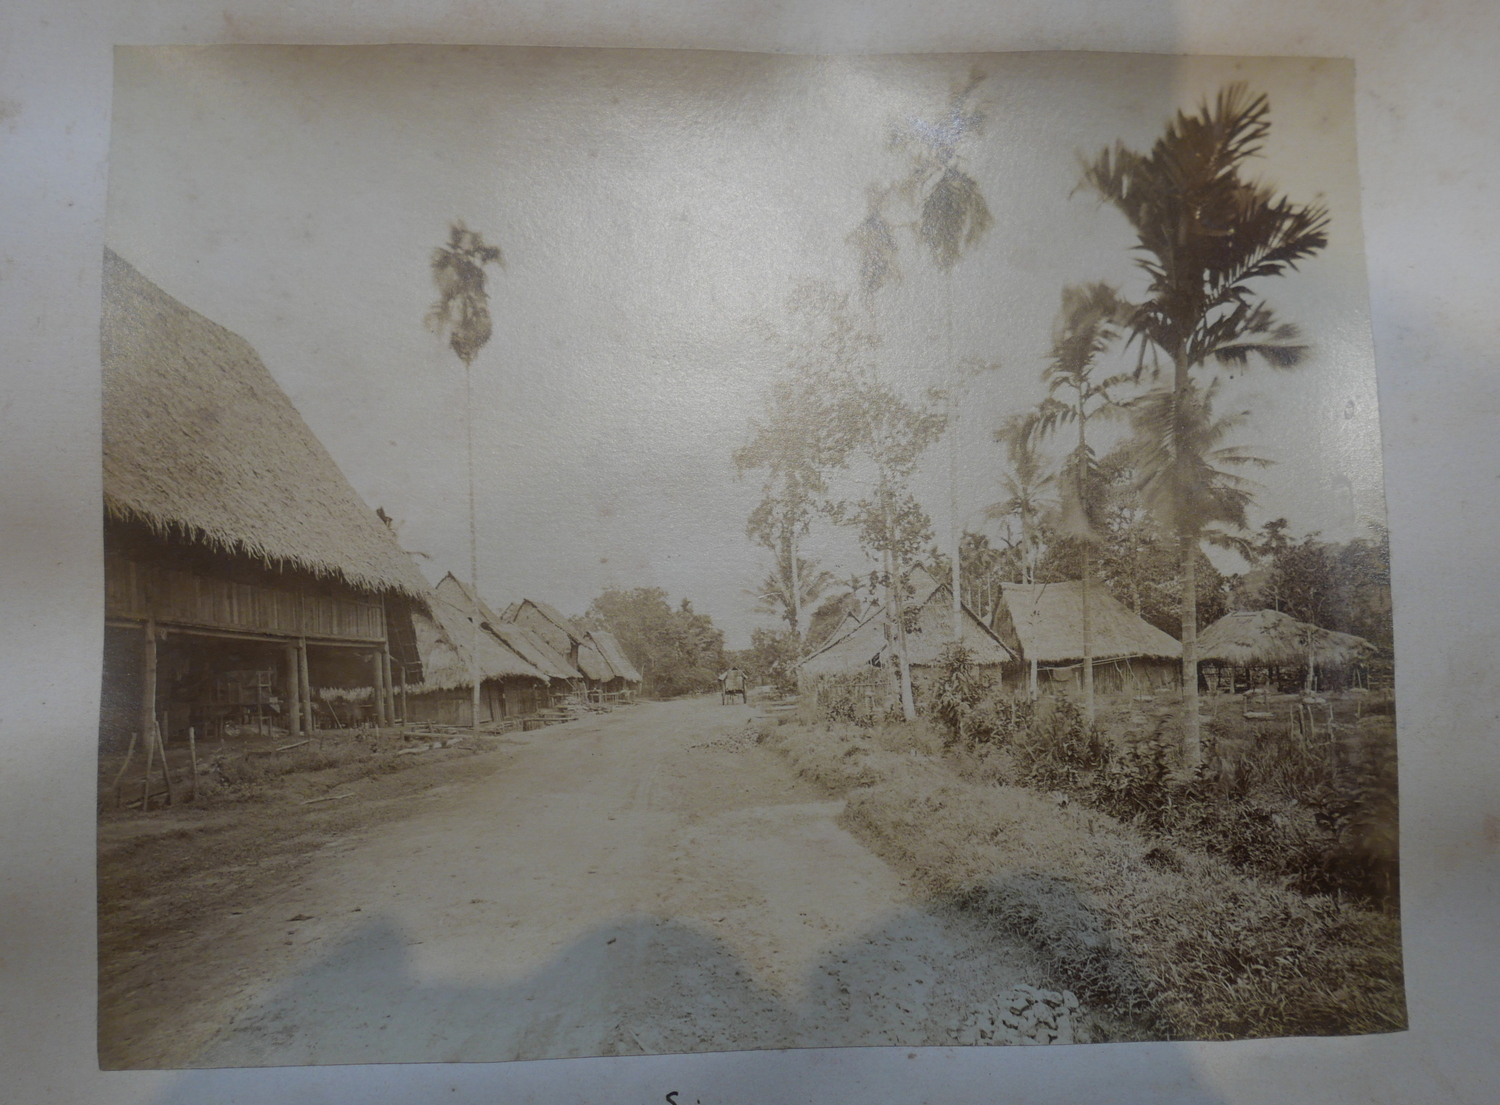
<point x="868" y="645"/>
<point x="562" y="678"/>
<point x="550" y="626"/>
<point x="451" y="650"/>
<point x="606" y="666"/>
<point x="1043" y="623"/>
<point x="241" y="568"/>
<point x="1273" y="642"/>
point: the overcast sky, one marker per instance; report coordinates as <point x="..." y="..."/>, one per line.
<point x="656" y="211"/>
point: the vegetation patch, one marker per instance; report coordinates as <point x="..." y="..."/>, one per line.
<point x="1134" y="923"/>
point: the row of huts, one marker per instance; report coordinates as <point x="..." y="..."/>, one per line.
<point x="1035" y="640"/>
<point x="245" y="579"/>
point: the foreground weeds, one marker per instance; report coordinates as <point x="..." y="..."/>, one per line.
<point x="1179" y="939"/>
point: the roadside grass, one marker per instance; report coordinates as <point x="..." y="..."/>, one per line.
<point x="1135" y="924"/>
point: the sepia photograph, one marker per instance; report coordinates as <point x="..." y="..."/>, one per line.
<point x="620" y="552"/>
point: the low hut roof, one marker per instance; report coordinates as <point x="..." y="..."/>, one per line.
<point x="614" y="655"/>
<point x="866" y="641"/>
<point x="593" y="663"/>
<point x="1048" y="622"/>
<point x="200" y="440"/>
<point x="444" y="638"/>
<point x="1272" y="639"/>
<point x="552" y="614"/>
<point x="520" y="640"/>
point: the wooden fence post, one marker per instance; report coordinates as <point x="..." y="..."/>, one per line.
<point x="148" y="707"/>
<point x="293" y="709"/>
<point x="307" y="689"/>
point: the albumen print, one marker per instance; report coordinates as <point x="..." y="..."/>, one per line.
<point x="619" y="552"/>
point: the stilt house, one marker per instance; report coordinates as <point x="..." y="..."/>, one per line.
<point x="242" y="571"/>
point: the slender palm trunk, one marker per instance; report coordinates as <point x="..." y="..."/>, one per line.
<point x="473" y="549"/>
<point x="1088" y="645"/>
<point x="1088" y="636"/>
<point x="955" y="523"/>
<point x="898" y="614"/>
<point x="1192" y="748"/>
<point x="796" y="596"/>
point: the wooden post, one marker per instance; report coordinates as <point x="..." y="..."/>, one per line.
<point x="390" y="690"/>
<point x="379" y="688"/>
<point x="193" y="753"/>
<point x="404" y="714"/>
<point x="148" y="707"/>
<point x="130" y="751"/>
<point x="307" y="688"/>
<point x="166" y="770"/>
<point x="293" y="709"/>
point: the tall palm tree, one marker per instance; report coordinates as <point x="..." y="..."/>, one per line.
<point x="463" y="312"/>
<point x="1087" y="325"/>
<point x="1205" y="235"/>
<point x="951" y="218"/>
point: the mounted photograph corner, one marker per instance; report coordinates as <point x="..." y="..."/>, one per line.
<point x="617" y="552"/>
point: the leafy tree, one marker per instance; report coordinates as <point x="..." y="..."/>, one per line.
<point x="771" y="658"/>
<point x="676" y="650"/>
<point x="463" y="312"/>
<point x="1205" y="235"/>
<point x="802" y="435"/>
<point x="891" y="434"/>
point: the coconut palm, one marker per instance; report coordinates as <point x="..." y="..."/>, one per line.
<point x="1087" y="326"/>
<point x="1027" y="504"/>
<point x="1205" y="235"/>
<point x="463" y="312"/>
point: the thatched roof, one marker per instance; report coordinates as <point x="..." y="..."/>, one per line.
<point x="593" y="664"/>
<point x="520" y="640"/>
<point x="865" y="642"/>
<point x="443" y="640"/>
<point x="200" y="441"/>
<point x="1047" y="620"/>
<point x="614" y="655"/>
<point x="1269" y="638"/>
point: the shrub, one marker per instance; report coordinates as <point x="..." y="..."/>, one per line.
<point x="957" y="690"/>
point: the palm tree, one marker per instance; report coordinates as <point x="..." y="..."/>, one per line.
<point x="1026" y="485"/>
<point x="1087" y="326"/>
<point x="951" y="217"/>
<point x="1205" y="234"/>
<point x="463" y="311"/>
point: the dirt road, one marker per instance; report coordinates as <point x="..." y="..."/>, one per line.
<point x="644" y="881"/>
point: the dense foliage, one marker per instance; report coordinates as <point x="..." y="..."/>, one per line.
<point x="676" y="650"/>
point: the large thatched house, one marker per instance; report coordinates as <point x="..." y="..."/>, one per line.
<point x="241" y="569"/>
<point x="867" y="646"/>
<point x="1043" y="623"/>
<point x="452" y="650"/>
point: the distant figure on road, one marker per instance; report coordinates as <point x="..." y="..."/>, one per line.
<point x="731" y="683"/>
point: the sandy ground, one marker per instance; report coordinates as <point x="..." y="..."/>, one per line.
<point x="644" y="881"/>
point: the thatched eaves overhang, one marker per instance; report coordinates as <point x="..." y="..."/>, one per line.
<point x="200" y="442"/>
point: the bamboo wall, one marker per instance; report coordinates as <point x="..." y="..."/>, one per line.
<point x="133" y="590"/>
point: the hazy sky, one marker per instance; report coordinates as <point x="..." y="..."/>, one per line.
<point x="657" y="210"/>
